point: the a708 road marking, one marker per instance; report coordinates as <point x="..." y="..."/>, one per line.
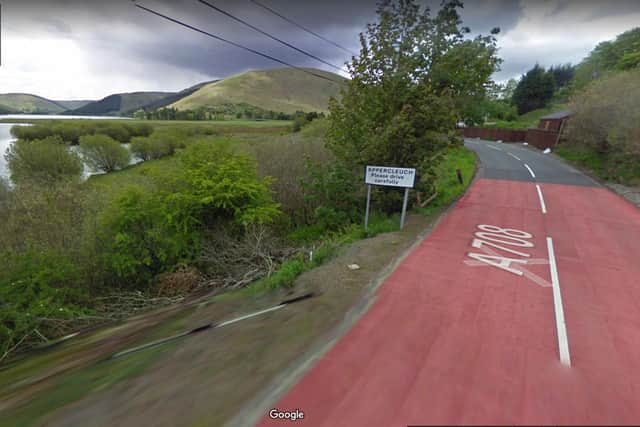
<point x="501" y="238"/>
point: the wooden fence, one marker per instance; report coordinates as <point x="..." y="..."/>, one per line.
<point x="539" y="138"/>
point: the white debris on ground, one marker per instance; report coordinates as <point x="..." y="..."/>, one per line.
<point x="547" y="150"/>
<point x="525" y="143"/>
<point x="353" y="267"/>
<point x="499" y="141"/>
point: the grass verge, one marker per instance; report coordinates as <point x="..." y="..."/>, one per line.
<point x="609" y="167"/>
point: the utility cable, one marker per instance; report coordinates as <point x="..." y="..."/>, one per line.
<point x="238" y="45"/>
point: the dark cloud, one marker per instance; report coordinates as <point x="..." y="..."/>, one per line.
<point x="122" y="40"/>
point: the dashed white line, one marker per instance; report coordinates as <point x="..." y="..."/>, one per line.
<point x="514" y="156"/>
<point x="563" y="342"/>
<point x="530" y="171"/>
<point x="495" y="148"/>
<point x="542" y="204"/>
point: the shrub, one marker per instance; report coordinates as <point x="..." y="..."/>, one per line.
<point x="37" y="293"/>
<point x="606" y="119"/>
<point x="42" y="161"/>
<point x="150" y="230"/>
<point x="103" y="153"/>
<point x="150" y="148"/>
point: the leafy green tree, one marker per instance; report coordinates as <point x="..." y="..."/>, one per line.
<point x="42" y="161"/>
<point x="562" y="74"/>
<point x="139" y="114"/>
<point x="534" y="90"/>
<point x="103" y="153"/>
<point x="408" y="86"/>
<point x="620" y="54"/>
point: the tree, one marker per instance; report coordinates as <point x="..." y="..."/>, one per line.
<point x="140" y="114"/>
<point x="620" y="54"/>
<point x="562" y="74"/>
<point x="607" y="118"/>
<point x="407" y="89"/>
<point x="534" y="90"/>
<point x="508" y="89"/>
<point x="42" y="161"/>
<point x="103" y="153"/>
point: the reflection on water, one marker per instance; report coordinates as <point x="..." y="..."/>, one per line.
<point x="5" y="141"/>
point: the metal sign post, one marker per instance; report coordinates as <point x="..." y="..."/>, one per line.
<point x="366" y="212"/>
<point x="389" y="177"/>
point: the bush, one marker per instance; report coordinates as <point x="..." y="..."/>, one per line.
<point x="103" y="153"/>
<point x="42" y="161"/>
<point x="606" y="120"/>
<point x="37" y="292"/>
<point x="149" y="148"/>
<point x="165" y="141"/>
<point x="150" y="230"/>
<point x="70" y="131"/>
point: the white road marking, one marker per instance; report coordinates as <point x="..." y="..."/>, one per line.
<point x="563" y="342"/>
<point x="495" y="148"/>
<point x="514" y="156"/>
<point x="257" y="313"/>
<point x="542" y="205"/>
<point x="530" y="171"/>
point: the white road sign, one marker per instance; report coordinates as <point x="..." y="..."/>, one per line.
<point x="389" y="176"/>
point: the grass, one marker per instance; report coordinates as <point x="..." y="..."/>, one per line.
<point x="75" y="385"/>
<point x="621" y="169"/>
<point x="529" y="119"/>
<point x="447" y="183"/>
<point x="279" y="89"/>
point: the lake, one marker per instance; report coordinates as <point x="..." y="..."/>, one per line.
<point x="6" y="139"/>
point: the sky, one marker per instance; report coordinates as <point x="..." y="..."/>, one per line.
<point x="86" y="49"/>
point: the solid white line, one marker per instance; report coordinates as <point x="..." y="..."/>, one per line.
<point x="529" y="169"/>
<point x="542" y="205"/>
<point x="257" y="313"/>
<point x="514" y="156"/>
<point x="563" y="342"/>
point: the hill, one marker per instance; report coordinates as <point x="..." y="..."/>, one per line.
<point x="167" y="100"/>
<point x="120" y="103"/>
<point x="284" y="90"/>
<point x="27" y="103"/>
<point x="73" y="104"/>
<point x="6" y="110"/>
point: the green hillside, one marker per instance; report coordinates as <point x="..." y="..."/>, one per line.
<point x="282" y="89"/>
<point x="120" y="103"/>
<point x="27" y="103"/>
<point x="73" y="104"/>
<point x="6" y="110"/>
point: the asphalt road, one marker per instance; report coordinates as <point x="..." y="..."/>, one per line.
<point x="521" y="307"/>
<point x="507" y="162"/>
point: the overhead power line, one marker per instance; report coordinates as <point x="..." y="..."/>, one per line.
<point x="238" y="45"/>
<point x="291" y="21"/>
<point x="253" y="27"/>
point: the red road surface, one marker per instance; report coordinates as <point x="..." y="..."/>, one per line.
<point x="450" y="341"/>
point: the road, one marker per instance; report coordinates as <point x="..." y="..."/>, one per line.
<point x="521" y="307"/>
